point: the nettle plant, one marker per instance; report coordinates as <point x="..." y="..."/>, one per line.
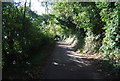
<point x="110" y="48"/>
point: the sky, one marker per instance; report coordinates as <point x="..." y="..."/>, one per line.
<point x="35" y="6"/>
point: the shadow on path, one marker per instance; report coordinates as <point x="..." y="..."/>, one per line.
<point x="66" y="64"/>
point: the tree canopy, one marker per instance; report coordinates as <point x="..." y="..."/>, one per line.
<point x="96" y="26"/>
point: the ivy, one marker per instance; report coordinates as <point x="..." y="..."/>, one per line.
<point x="110" y="45"/>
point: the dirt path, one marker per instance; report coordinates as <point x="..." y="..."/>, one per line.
<point x="66" y="64"/>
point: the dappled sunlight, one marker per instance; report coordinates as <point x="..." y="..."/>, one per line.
<point x="65" y="63"/>
<point x="62" y="46"/>
<point x="69" y="40"/>
<point x="72" y="56"/>
<point x="78" y="58"/>
<point x="55" y="63"/>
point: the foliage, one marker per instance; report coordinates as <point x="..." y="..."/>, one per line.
<point x="110" y="44"/>
<point x="96" y="26"/>
<point x="96" y="23"/>
<point x="92" y="43"/>
<point x="79" y="18"/>
<point x="23" y="37"/>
